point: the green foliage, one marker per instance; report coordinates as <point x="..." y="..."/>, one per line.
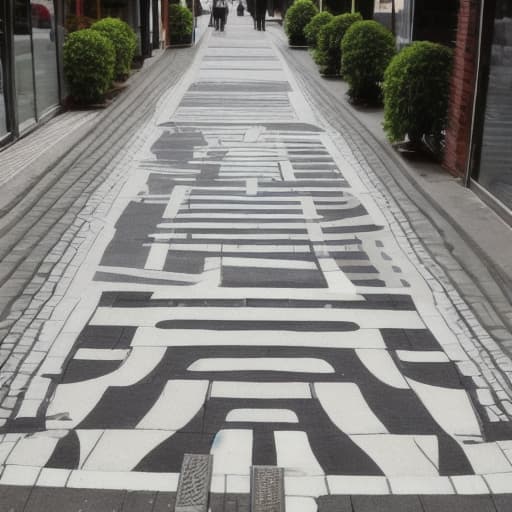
<point x="416" y="91"/>
<point x="181" y="24"/>
<point x="297" y="17"/>
<point x="312" y="29"/>
<point x="367" y="47"/>
<point x="124" y="41"/>
<point x="328" y="53"/>
<point x="89" y="60"/>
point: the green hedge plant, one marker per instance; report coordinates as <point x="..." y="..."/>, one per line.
<point x="312" y="29"/>
<point x="297" y="17"/>
<point x="181" y="23"/>
<point x="123" y="39"/>
<point x="416" y="91"/>
<point x="367" y="48"/>
<point x="328" y="53"/>
<point x="89" y="60"/>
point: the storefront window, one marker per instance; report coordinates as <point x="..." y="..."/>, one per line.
<point x="3" y="84"/>
<point x="45" y="58"/>
<point x="495" y="170"/>
<point x="23" y="64"/>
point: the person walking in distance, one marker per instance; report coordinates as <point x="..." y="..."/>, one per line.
<point x="260" y="13"/>
<point x="220" y="12"/>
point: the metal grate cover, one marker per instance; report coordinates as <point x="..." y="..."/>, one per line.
<point x="267" y="489"/>
<point x="194" y="484"/>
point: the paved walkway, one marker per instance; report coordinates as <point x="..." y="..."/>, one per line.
<point x="242" y="286"/>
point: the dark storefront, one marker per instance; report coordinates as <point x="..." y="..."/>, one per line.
<point x="491" y="166"/>
<point x="29" y="79"/>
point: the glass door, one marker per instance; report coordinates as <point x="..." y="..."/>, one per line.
<point x="24" y="65"/>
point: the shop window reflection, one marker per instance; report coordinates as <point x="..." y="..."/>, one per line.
<point x="45" y="56"/>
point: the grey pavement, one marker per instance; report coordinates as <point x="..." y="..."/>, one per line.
<point x="231" y="261"/>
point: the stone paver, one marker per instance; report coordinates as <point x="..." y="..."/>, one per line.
<point x="234" y="279"/>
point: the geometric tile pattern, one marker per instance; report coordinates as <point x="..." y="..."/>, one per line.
<point x="248" y="300"/>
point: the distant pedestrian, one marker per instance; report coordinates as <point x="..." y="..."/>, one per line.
<point x="260" y="13"/>
<point x="220" y="13"/>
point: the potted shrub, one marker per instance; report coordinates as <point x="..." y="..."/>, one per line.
<point x="367" y="48"/>
<point x="328" y="53"/>
<point x="123" y="39"/>
<point x="416" y="91"/>
<point x="312" y="29"/>
<point x="181" y="24"/>
<point x="297" y="17"/>
<point x="89" y="60"/>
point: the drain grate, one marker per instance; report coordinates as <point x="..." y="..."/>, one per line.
<point x="267" y="489"/>
<point x="194" y="484"/>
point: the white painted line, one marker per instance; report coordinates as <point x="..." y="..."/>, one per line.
<point x="268" y="263"/>
<point x="156" y="256"/>
<point x="260" y="390"/>
<point x="153" y="337"/>
<point x="178" y="196"/>
<point x="287" y="170"/>
<point x="381" y="365"/>
<point x="101" y="354"/>
<point x="176" y="406"/>
<point x="252" y="187"/>
<point x="150" y="274"/>
<point x="422" y="356"/>
<point x="365" y="319"/>
<point x="271" y="364"/>
<point x="262" y="416"/>
<point x="232" y="452"/>
<point x="347" y="409"/>
<point x="295" y="455"/>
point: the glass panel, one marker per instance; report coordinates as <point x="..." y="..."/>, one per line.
<point x="3" y="85"/>
<point x="45" y="58"/>
<point x="23" y="64"/>
<point x="496" y="156"/>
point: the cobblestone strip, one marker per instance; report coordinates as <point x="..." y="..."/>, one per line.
<point x="489" y="367"/>
<point x="42" y="250"/>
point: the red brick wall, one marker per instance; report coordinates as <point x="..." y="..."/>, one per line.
<point x="462" y="88"/>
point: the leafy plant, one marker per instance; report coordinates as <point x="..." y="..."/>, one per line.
<point x="124" y="41"/>
<point x="416" y="91"/>
<point x="312" y="29"/>
<point x="328" y="53"/>
<point x="89" y="59"/>
<point x="297" y="17"/>
<point x="367" y="48"/>
<point x="181" y="24"/>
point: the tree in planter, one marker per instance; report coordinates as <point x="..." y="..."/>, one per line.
<point x="297" y="17"/>
<point x="328" y="52"/>
<point x="123" y="39"/>
<point x="89" y="60"/>
<point x="312" y="29"/>
<point x="416" y="91"/>
<point x="181" y="24"/>
<point x="367" y="48"/>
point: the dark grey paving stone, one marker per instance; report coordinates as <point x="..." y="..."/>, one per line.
<point x="237" y="503"/>
<point x="139" y="501"/>
<point x="477" y="503"/>
<point x="386" y="504"/>
<point x="334" y="504"/>
<point x="503" y="502"/>
<point x="46" y="499"/>
<point x="165" y="502"/>
<point x="13" y="498"/>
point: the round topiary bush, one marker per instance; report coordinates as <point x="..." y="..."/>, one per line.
<point x="328" y="53"/>
<point x="297" y="17"/>
<point x="89" y="60"/>
<point x="181" y="24"/>
<point x="124" y="41"/>
<point x="367" y="48"/>
<point x="416" y="90"/>
<point x="312" y="29"/>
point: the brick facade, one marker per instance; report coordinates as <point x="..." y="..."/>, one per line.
<point x="462" y="88"/>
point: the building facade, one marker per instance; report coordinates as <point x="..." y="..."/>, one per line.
<point x="479" y="136"/>
<point x="32" y="33"/>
